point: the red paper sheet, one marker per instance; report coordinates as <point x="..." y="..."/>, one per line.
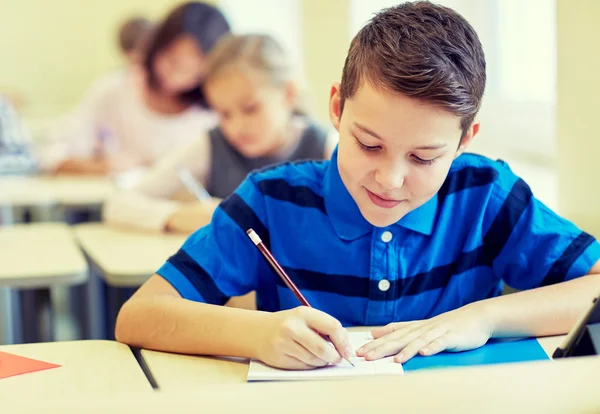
<point x="11" y="365"/>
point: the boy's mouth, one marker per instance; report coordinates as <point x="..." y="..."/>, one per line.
<point x="382" y="202"/>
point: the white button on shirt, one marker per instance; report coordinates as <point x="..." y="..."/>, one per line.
<point x="386" y="236"/>
<point x="384" y="285"/>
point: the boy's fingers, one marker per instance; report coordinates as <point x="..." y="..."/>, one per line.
<point x="414" y="346"/>
<point x="387" y="329"/>
<point x="305" y="356"/>
<point x="329" y="326"/>
<point x="399" y="335"/>
<point x="318" y="346"/>
<point x="294" y="363"/>
<point x="434" y="347"/>
<point x="389" y="345"/>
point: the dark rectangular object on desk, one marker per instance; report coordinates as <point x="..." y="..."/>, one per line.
<point x="584" y="338"/>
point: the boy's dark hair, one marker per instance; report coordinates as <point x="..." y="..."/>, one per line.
<point x="201" y="21"/>
<point x="131" y="33"/>
<point x="423" y="51"/>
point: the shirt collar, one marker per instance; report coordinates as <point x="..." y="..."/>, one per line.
<point x="346" y="218"/>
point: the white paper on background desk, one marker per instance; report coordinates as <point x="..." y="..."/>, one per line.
<point x="386" y="366"/>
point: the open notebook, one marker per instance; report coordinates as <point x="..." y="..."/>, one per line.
<point x="261" y="372"/>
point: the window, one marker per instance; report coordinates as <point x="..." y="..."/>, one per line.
<point x="278" y="18"/>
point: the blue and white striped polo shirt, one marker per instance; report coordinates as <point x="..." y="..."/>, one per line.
<point x="482" y="228"/>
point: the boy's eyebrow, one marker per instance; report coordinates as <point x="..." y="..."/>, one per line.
<point x="367" y="131"/>
<point x="432" y="147"/>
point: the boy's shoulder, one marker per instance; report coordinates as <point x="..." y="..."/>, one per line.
<point x="308" y="173"/>
<point x="474" y="170"/>
<point x="472" y="160"/>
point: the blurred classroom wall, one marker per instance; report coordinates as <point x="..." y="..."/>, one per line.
<point x="578" y="140"/>
<point x="53" y="49"/>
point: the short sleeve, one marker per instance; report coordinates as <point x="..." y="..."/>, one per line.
<point x="219" y="260"/>
<point x="534" y="245"/>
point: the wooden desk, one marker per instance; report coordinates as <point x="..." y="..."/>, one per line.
<point x="174" y="372"/>
<point x="40" y="255"/>
<point x="564" y="386"/>
<point x="87" y="367"/>
<point x="36" y="257"/>
<point x="67" y="191"/>
<point x="24" y="192"/>
<point x="126" y="258"/>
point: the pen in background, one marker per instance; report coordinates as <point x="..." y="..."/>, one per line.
<point x="193" y="186"/>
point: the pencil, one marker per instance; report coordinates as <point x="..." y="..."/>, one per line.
<point x="193" y="186"/>
<point x="286" y="279"/>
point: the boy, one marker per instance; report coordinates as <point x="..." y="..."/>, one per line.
<point x="399" y="228"/>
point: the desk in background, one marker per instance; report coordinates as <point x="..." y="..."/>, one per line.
<point x="124" y="259"/>
<point x="36" y="257"/>
<point x="42" y="194"/>
<point x="86" y="367"/>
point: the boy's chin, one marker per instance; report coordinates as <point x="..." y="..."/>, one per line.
<point x="381" y="219"/>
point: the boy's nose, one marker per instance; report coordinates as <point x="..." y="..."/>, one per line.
<point x="390" y="177"/>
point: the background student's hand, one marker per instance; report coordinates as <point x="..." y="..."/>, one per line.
<point x="459" y="330"/>
<point x="291" y="340"/>
<point x="119" y="163"/>
<point x="97" y="166"/>
<point x="191" y="216"/>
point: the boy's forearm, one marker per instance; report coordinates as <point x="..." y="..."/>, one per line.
<point x="167" y="323"/>
<point x="550" y="310"/>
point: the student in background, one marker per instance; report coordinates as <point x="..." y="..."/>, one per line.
<point x="401" y="228"/>
<point x="131" y="37"/>
<point x="252" y="87"/>
<point x="15" y="141"/>
<point x="155" y="108"/>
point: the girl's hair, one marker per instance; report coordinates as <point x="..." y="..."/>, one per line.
<point x="253" y="51"/>
<point x="201" y="21"/>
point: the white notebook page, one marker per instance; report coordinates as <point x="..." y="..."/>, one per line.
<point x="386" y="366"/>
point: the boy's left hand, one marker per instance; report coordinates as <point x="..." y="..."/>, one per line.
<point x="459" y="330"/>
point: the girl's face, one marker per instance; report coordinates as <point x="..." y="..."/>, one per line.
<point x="180" y="66"/>
<point x="253" y="114"/>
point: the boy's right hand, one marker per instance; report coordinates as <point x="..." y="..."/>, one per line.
<point x="291" y="339"/>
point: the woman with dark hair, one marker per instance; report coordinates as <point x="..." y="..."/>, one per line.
<point x="159" y="105"/>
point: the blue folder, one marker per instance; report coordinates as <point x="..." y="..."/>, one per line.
<point x="496" y="351"/>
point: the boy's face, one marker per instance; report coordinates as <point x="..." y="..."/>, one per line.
<point x="394" y="152"/>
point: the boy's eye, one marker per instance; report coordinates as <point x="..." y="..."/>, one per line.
<point x="424" y="161"/>
<point x="367" y="147"/>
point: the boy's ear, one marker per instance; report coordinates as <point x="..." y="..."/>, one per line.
<point x="468" y="138"/>
<point x="335" y="106"/>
